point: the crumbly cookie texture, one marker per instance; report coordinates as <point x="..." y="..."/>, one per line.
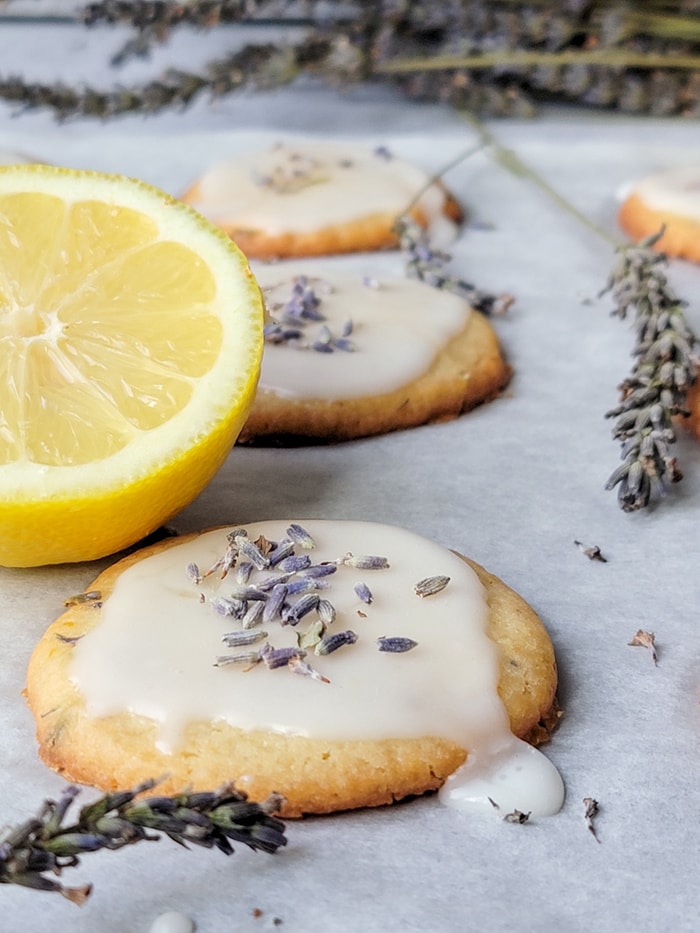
<point x="414" y="355"/>
<point x="315" y="775"/>
<point x="669" y="199"/>
<point x="318" y="198"/>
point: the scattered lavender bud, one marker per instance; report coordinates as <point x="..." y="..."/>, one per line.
<point x="297" y="666"/>
<point x="331" y="643"/>
<point x="383" y="152"/>
<point x="284" y="548"/>
<point x="245" y="657"/>
<point x="306" y="584"/>
<point x="295" y="563"/>
<point x="364" y="593"/>
<point x="253" y="615"/>
<point x="301" y="537"/>
<point x="273" y="607"/>
<point x="291" y="615"/>
<point x="592" y="552"/>
<point x="246" y="593"/>
<point x="279" y="657"/>
<point x="225" y="607"/>
<point x="366" y="562"/>
<point x="253" y="553"/>
<point x="320" y="570"/>
<point x="193" y="573"/>
<point x="269" y="583"/>
<point x="326" y="611"/>
<point x="236" y="533"/>
<point x="395" y="644"/>
<point x="239" y="639"/>
<point x="243" y="571"/>
<point x="430" y="586"/>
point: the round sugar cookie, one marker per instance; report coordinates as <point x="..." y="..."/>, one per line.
<point x="378" y="663"/>
<point x="670" y="199"/>
<point x="346" y="356"/>
<point x="318" y="198"/>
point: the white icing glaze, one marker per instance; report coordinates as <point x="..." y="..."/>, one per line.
<point x="153" y="654"/>
<point x="172" y="922"/>
<point x="398" y="329"/>
<point x="676" y="190"/>
<point x="338" y="183"/>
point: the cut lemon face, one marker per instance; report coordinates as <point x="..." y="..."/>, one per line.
<point x="130" y="347"/>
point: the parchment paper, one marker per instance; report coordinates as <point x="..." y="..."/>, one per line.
<point x="511" y="484"/>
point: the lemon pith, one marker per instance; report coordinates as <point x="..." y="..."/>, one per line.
<point x="130" y="345"/>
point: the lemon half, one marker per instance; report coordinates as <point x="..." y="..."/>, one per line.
<point x="130" y="347"/>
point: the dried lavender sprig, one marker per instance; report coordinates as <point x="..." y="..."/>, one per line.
<point x="45" y="845"/>
<point x="666" y="354"/>
<point x="429" y="265"/>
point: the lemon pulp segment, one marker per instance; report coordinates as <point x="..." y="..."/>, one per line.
<point x="108" y="327"/>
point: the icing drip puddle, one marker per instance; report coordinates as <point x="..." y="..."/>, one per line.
<point x="389" y="648"/>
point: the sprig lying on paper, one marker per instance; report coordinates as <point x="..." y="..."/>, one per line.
<point x="666" y="351"/>
<point x="666" y="355"/>
<point x="46" y="845"/>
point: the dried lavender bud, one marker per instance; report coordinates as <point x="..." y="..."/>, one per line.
<point x="363" y="592"/>
<point x="273" y="607"/>
<point x="253" y="615"/>
<point x="301" y="536"/>
<point x="517" y="816"/>
<point x="239" y="639"/>
<point x="326" y="611"/>
<point x="306" y="584"/>
<point x="223" y="563"/>
<point x="243" y="571"/>
<point x="331" y="643"/>
<point x="592" y="552"/>
<point x="295" y="563"/>
<point x="297" y="666"/>
<point x="246" y="657"/>
<point x="366" y="562"/>
<point x="250" y="550"/>
<point x="226" y="607"/>
<point x="396" y="644"/>
<point x="236" y="533"/>
<point x="193" y="573"/>
<point x="590" y="813"/>
<point x="245" y="593"/>
<point x="284" y="548"/>
<point x="291" y="615"/>
<point x="320" y="570"/>
<point x="279" y="657"/>
<point x="269" y="583"/>
<point x="430" y="586"/>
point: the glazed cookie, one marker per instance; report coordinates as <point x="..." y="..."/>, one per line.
<point x="347" y="357"/>
<point x="317" y="198"/>
<point x="670" y="199"/>
<point x="341" y="664"/>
